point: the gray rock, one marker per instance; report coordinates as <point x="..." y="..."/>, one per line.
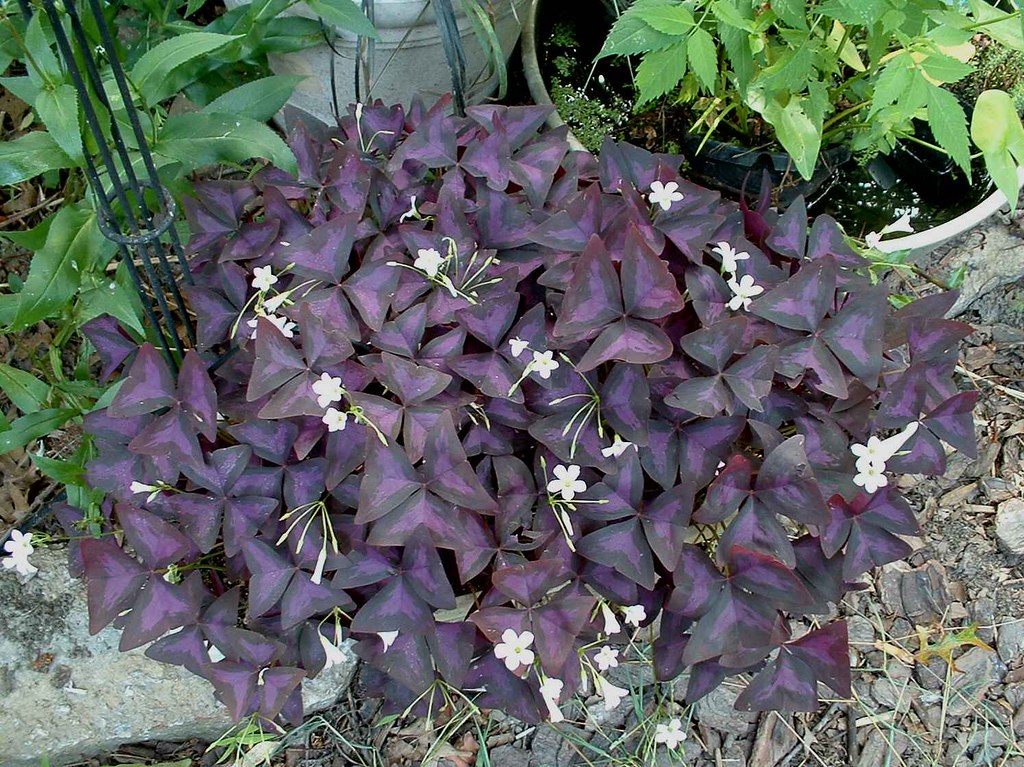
<point x="996" y="489"/>
<point x="1010" y="640"/>
<point x="716" y="710"/>
<point x="882" y="748"/>
<point x="1010" y="525"/>
<point x="998" y="260"/>
<point x="509" y="756"/>
<point x="71" y="695"/>
<point x="894" y="691"/>
<point x="862" y="632"/>
<point x="978" y="670"/>
<point x="550" y="749"/>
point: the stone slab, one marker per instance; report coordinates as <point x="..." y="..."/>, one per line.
<point x="67" y="695"/>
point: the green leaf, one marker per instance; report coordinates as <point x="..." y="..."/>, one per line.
<point x="65" y="472"/>
<point x="259" y="100"/>
<point x="730" y="13"/>
<point x="703" y="57"/>
<point x="150" y="73"/>
<point x="796" y="132"/>
<point x="676" y="20"/>
<point x="344" y="14"/>
<point x="948" y="122"/>
<point x="58" y="108"/>
<point x="945" y="69"/>
<point x="631" y="35"/>
<point x="43" y="66"/>
<point x="660" y="72"/>
<point x="72" y="244"/>
<point x="22" y="388"/>
<point x="118" y="299"/>
<point x="22" y="87"/>
<point x="197" y="139"/>
<point x="793" y="12"/>
<point x="893" y="81"/>
<point x="997" y="131"/>
<point x="30" y="155"/>
<point x="1003" y="27"/>
<point x="33" y="426"/>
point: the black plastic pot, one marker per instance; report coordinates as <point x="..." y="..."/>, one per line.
<point x="736" y="170"/>
<point x="729" y="168"/>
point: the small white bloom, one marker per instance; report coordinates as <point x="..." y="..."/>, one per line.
<point x="872" y="239"/>
<point x="411" y="213"/>
<point x="140" y="487"/>
<point x="429" y="261"/>
<point x="612" y="695"/>
<point x="274" y="303"/>
<point x="664" y="194"/>
<point x="567" y="482"/>
<point x="743" y="292"/>
<point x="611" y="625"/>
<point x="901" y="224"/>
<point x="518" y="346"/>
<point x="335" y="656"/>
<point x="671" y="734"/>
<point x="871" y="477"/>
<point x="514" y="649"/>
<point x="321" y="560"/>
<point x="283" y="324"/>
<point x="335" y="419"/>
<point x="729" y="256"/>
<point x="214" y="653"/>
<point x="551" y="690"/>
<point x="388" y="638"/>
<point x="359" y="111"/>
<point x="544" y="363"/>
<point x="878" y="451"/>
<point x="328" y="390"/>
<point x="263" y="278"/>
<point x="607" y="657"/>
<point x="20" y="548"/>
<point x="617" y="448"/>
<point x="634" y="615"/>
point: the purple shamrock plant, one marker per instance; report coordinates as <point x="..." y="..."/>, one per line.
<point x="493" y="408"/>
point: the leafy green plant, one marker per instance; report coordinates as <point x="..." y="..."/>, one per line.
<point x="811" y="74"/>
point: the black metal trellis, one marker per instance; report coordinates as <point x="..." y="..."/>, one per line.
<point x="141" y="225"/>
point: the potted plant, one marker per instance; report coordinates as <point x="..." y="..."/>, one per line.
<point x="472" y="424"/>
<point x="814" y="80"/>
<point x="404" y="48"/>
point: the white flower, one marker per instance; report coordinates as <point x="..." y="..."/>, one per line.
<point x="335" y="656"/>
<point x="743" y="292"/>
<point x="607" y="657"/>
<point x="635" y="615"/>
<point x="328" y="390"/>
<point x="567" y="482"/>
<point x="335" y="419"/>
<point x="664" y="194"/>
<point x="901" y="224"/>
<point x="878" y="451"/>
<point x="20" y="549"/>
<point x="729" y="256"/>
<point x="514" y="649"/>
<point x="273" y="304"/>
<point x="618" y="447"/>
<point x="214" y="653"/>
<point x="428" y="261"/>
<point x="411" y="213"/>
<point x="518" y="346"/>
<point x="544" y="363"/>
<point x="286" y="327"/>
<point x="611" y="625"/>
<point x="612" y="695"/>
<point x="551" y="690"/>
<point x="140" y="487"/>
<point x="263" y="278"/>
<point x="318" y="570"/>
<point x="671" y="734"/>
<point x="388" y="638"/>
<point x="871" y="477"/>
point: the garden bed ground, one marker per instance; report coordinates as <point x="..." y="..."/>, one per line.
<point x="906" y="712"/>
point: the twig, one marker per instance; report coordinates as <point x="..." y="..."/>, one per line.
<point x="1015" y="393"/>
<point x="851" y="736"/>
<point x="29" y="211"/>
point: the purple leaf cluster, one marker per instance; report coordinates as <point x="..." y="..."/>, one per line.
<point x="493" y="388"/>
